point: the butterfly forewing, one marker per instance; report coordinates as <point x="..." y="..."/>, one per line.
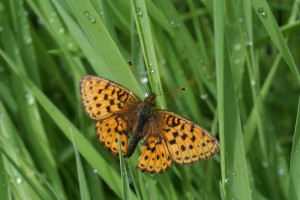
<point x="102" y="98"/>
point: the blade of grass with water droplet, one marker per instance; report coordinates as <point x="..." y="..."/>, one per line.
<point x="143" y="27"/>
<point x="264" y="13"/>
<point x="233" y="162"/>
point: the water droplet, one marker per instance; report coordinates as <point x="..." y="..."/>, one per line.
<point x="152" y="70"/>
<point x="39" y="21"/>
<point x="144" y="80"/>
<point x="227" y="180"/>
<point x="262" y="11"/>
<point x="233" y="173"/>
<point x="237" y="61"/>
<point x="95" y="171"/>
<point x="237" y="47"/>
<point x="1" y="28"/>
<point x="281" y="171"/>
<point x="18" y="180"/>
<point x="61" y="30"/>
<point x="265" y="164"/>
<point x="29" y="98"/>
<point x="204" y="96"/>
<point x="252" y="82"/>
<point x="129" y="180"/>
<point x="27" y="39"/>
<point x="249" y="43"/>
<point x="172" y="23"/>
<point x="92" y="19"/>
<point x="139" y="12"/>
<point x="86" y="13"/>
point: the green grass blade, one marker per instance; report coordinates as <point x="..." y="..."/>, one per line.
<point x="4" y="190"/>
<point x="233" y="162"/>
<point x="84" y="192"/>
<point x="124" y="178"/>
<point x="294" y="182"/>
<point x="264" y="13"/>
<point x="143" y="27"/>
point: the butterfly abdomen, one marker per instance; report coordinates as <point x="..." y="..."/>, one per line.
<point x="145" y="113"/>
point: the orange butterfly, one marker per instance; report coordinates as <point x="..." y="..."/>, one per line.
<point x="166" y="136"/>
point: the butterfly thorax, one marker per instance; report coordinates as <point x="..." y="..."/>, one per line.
<point x="150" y="100"/>
<point x="145" y="112"/>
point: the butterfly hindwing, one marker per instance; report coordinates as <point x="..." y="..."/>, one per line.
<point x="187" y="142"/>
<point x="102" y="98"/>
<point x="155" y="158"/>
<point x="109" y="130"/>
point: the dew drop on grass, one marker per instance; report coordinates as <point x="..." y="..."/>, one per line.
<point x="237" y="47"/>
<point x="233" y="173"/>
<point x="281" y="172"/>
<point x="29" y="98"/>
<point x="139" y="12"/>
<point x="18" y="180"/>
<point x="61" y="30"/>
<point x="92" y="19"/>
<point x="95" y="171"/>
<point x="262" y="11"/>
<point x="204" y="96"/>
<point x="227" y="180"/>
<point x="86" y="13"/>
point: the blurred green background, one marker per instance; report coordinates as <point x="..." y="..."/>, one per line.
<point x="238" y="59"/>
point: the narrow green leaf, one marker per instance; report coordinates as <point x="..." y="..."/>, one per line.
<point x="124" y="178"/>
<point x="294" y="183"/>
<point x="84" y="191"/>
<point x="233" y="162"/>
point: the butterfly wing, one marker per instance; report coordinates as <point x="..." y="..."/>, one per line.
<point x="186" y="141"/>
<point x="113" y="106"/>
<point x="155" y="158"/>
<point x="102" y="98"/>
<point x="110" y="130"/>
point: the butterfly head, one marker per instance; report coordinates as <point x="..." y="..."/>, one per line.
<point x="150" y="100"/>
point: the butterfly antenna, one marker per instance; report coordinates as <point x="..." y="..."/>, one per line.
<point x="172" y="91"/>
<point x="129" y="62"/>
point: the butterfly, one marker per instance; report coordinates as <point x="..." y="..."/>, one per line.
<point x="166" y="136"/>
